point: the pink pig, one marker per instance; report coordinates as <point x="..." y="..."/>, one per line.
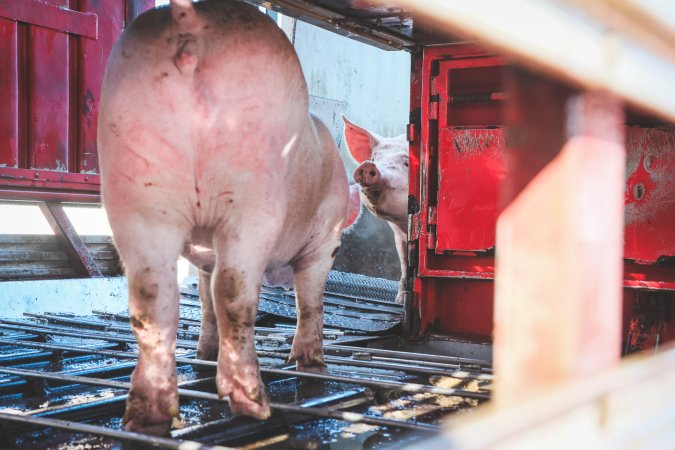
<point x="207" y="149"/>
<point x="383" y="178"/>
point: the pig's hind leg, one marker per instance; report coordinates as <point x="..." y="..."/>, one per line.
<point x="235" y="285"/>
<point x="149" y="252"/>
<point x="311" y="271"/>
<point x="207" y="346"/>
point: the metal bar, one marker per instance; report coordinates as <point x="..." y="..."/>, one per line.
<point x="410" y="355"/>
<point x="146" y="439"/>
<point x="70" y="241"/>
<point x="340" y="415"/>
<point x="342" y="400"/>
<point x="391" y="385"/>
<point x="56" y="18"/>
<point x="341" y="300"/>
<point x="324" y="17"/>
<point x="193" y="346"/>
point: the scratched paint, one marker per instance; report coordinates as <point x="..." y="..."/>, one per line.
<point x="649" y="194"/>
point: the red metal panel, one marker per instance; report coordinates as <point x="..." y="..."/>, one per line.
<point x="48" y="98"/>
<point x="446" y="297"/>
<point x="650" y="194"/>
<point x="9" y="91"/>
<point x="470" y="171"/>
<point x="450" y="236"/>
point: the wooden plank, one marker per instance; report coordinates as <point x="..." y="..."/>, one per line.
<point x="58" y="18"/>
<point x="35" y="256"/>
<point x="19" y="239"/>
<point x="559" y="245"/>
<point x="9" y="91"/>
<point x="569" y="43"/>
<point x="70" y="241"/>
<point x="627" y="407"/>
<point x="48" y="98"/>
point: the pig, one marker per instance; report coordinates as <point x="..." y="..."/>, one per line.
<point x="382" y="176"/>
<point x="207" y="149"/>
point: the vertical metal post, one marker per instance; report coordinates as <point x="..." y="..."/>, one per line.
<point x="559" y="237"/>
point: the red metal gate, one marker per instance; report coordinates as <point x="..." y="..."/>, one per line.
<point x="53" y="55"/>
<point x="457" y="148"/>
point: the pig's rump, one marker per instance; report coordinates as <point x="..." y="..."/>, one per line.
<point x="207" y="148"/>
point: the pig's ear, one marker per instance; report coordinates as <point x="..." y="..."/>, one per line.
<point x="359" y="141"/>
<point x="354" y="205"/>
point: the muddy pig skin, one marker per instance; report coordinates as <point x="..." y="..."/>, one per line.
<point x="207" y="149"/>
<point x="383" y="178"/>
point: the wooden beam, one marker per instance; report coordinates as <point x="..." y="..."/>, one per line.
<point x="627" y="407"/>
<point x="559" y="241"/>
<point x="572" y="42"/>
<point x="69" y="240"/>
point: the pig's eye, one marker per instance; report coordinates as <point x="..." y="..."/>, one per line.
<point x="405" y="163"/>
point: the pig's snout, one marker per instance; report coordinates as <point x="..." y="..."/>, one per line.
<point x="367" y="174"/>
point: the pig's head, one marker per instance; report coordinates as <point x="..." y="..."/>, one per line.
<point x="382" y="174"/>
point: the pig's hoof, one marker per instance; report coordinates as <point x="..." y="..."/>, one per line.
<point x="249" y="402"/>
<point x="142" y="416"/>
<point x="257" y="406"/>
<point x="399" y="297"/>
<point x="207" y="352"/>
<point x="308" y="361"/>
<point x="156" y="429"/>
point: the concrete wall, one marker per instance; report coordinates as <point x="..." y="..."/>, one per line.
<point x="371" y="87"/>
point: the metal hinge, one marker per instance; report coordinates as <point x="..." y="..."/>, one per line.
<point x="412" y="132"/>
<point x="433" y="107"/>
<point x="431" y="226"/>
<point x="414" y="226"/>
<point x="431" y="215"/>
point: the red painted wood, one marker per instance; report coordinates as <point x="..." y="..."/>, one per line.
<point x="91" y="54"/>
<point x="48" y="63"/>
<point x="46" y="15"/>
<point x="52" y="86"/>
<point x="558" y="293"/>
<point x="9" y="91"/>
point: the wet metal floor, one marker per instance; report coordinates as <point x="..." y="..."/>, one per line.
<point x="63" y="384"/>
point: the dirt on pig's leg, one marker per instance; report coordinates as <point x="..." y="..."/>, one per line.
<point x="235" y="290"/>
<point x="149" y="254"/>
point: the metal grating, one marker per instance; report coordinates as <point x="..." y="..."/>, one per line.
<point x="64" y="378"/>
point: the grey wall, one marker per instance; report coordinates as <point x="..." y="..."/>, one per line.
<point x="371" y="87"/>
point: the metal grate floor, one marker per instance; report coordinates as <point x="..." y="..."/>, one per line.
<point x="63" y="384"/>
